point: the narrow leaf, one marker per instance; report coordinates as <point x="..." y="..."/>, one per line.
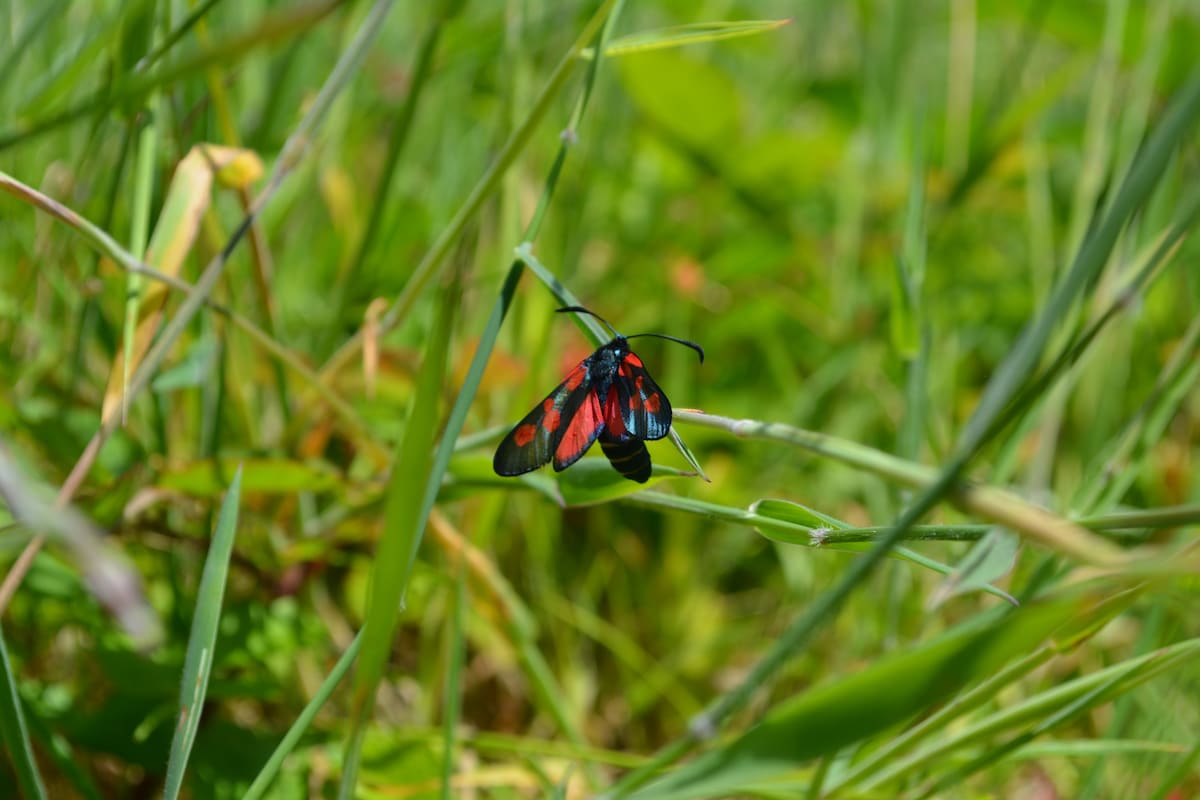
<point x="13" y="731"/>
<point x="197" y="665"/>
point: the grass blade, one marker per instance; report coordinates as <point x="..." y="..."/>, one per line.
<point x="682" y="35"/>
<point x="13" y="731"/>
<point x="403" y="524"/>
<point x="197" y="665"/>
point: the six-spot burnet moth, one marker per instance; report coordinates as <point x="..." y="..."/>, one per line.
<point x="611" y="397"/>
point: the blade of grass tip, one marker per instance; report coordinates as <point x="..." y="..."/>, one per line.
<point x="427" y="268"/>
<point x="403" y="525"/>
<point x="197" y="665"/>
<point x="293" y="149"/>
<point x="681" y="35"/>
<point x="288" y="743"/>
<point x="15" y="734"/>
<point x="452" y="697"/>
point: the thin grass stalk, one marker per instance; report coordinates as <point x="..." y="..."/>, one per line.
<point x="452" y="690"/>
<point x="1074" y="351"/>
<point x="143" y="192"/>
<point x="1136" y="188"/>
<point x="14" y="733"/>
<point x="989" y="502"/>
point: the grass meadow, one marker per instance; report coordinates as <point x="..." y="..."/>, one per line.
<point x="276" y="278"/>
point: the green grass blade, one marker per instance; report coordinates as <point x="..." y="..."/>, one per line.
<point x="683" y="35"/>
<point x="14" y="733"/>
<point x="144" y="170"/>
<point x="404" y="519"/>
<point x="456" y="647"/>
<point x="197" y="665"/>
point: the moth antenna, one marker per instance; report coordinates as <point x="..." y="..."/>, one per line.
<point x="582" y="310"/>
<point x="699" y="350"/>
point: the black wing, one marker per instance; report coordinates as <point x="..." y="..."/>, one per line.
<point x="644" y="410"/>
<point x="536" y="438"/>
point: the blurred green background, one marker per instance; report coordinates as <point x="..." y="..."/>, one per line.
<point x="856" y="208"/>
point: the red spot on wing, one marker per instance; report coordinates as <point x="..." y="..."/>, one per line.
<point x="613" y="420"/>
<point x="652" y="403"/>
<point x="580" y="431"/>
<point x="548" y="405"/>
<point x="631" y="358"/>
<point x="524" y="434"/>
<point x="576" y="377"/>
<point x="551" y="420"/>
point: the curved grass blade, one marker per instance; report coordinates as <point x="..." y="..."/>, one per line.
<point x="682" y="35"/>
<point x="197" y="665"/>
<point x="14" y="733"/>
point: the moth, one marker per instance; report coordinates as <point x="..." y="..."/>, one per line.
<point x="611" y="397"/>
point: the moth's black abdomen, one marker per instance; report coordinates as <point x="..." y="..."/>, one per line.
<point x="630" y="458"/>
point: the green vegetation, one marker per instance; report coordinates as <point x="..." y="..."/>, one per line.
<point x="277" y="277"/>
